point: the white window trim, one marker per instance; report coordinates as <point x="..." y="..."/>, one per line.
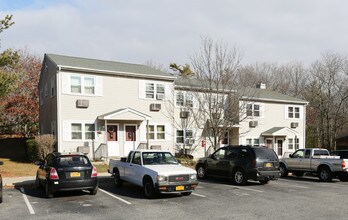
<point x="185" y="93"/>
<point x="66" y="84"/>
<point x="142" y="89"/>
<point x="67" y="130"/>
<point x="294" y="106"/>
<point x="166" y="133"/>
<point x="193" y="135"/>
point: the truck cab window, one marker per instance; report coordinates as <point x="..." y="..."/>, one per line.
<point x="307" y="154"/>
<point x="137" y="158"/>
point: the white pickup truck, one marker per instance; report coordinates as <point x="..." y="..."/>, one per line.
<point x="315" y="160"/>
<point x="155" y="171"/>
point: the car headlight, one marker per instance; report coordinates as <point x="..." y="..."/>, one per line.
<point x="161" y="178"/>
<point x="193" y="176"/>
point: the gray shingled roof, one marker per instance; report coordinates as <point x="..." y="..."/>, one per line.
<point x="103" y="65"/>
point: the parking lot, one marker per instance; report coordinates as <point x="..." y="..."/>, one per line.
<point x="286" y="198"/>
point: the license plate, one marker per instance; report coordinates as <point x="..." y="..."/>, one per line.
<point x="179" y="188"/>
<point x="75" y="174"/>
<point x="269" y="165"/>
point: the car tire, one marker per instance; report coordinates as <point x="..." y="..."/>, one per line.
<point x="149" y="189"/>
<point x="325" y="174"/>
<point x="263" y="182"/>
<point x="283" y="171"/>
<point x="201" y="174"/>
<point x="117" y="179"/>
<point x="239" y="177"/>
<point x="186" y="193"/>
<point x="93" y="191"/>
<point x="299" y="173"/>
<point x="48" y="191"/>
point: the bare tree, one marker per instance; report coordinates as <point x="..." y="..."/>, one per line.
<point x="328" y="96"/>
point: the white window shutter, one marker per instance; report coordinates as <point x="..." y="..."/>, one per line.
<point x="169" y="91"/>
<point x="286" y="110"/>
<point x="66" y="131"/>
<point x="99" y="86"/>
<point x="262" y="110"/>
<point x="141" y="89"/>
<point x="169" y="131"/>
<point x="66" y="82"/>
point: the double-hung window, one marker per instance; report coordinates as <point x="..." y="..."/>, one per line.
<point x="253" y="110"/>
<point x="82" y="85"/>
<point x="293" y="112"/>
<point x="293" y="143"/>
<point x="182" y="134"/>
<point x="156" y="132"/>
<point x="81" y="131"/>
<point x="184" y="99"/>
<point x="155" y="91"/>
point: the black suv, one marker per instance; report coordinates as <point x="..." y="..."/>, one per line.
<point x="66" y="171"/>
<point x="240" y="163"/>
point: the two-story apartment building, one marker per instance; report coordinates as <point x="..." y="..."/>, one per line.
<point x="107" y="108"/>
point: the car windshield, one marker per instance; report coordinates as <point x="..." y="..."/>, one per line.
<point x="264" y="152"/>
<point x="155" y="158"/>
<point x="73" y="161"/>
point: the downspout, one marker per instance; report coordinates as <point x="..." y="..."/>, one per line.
<point x="147" y="134"/>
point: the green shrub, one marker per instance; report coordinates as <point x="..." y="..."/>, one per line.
<point x="32" y="150"/>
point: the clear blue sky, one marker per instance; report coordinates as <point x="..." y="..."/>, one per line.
<point x="165" y="31"/>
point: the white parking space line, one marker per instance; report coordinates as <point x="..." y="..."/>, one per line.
<point x="244" y="188"/>
<point x="195" y="194"/>
<point x="31" y="210"/>
<point x="290" y="185"/>
<point x="122" y="200"/>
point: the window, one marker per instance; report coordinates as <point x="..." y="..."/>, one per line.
<point x="89" y="131"/>
<point x="220" y="154"/>
<point x="293" y="143"/>
<point x="256" y="141"/>
<point x="80" y="131"/>
<point x="89" y="85"/>
<point x="76" y="131"/>
<point x="181" y="134"/>
<point x="293" y="112"/>
<point x="250" y="141"/>
<point x="157" y="131"/>
<point x="184" y="99"/>
<point x="82" y="85"/>
<point x="253" y="110"/>
<point x="137" y="158"/>
<point x="155" y="91"/>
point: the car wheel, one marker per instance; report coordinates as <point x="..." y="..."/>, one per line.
<point x="93" y="191"/>
<point x="283" y="171"/>
<point x="299" y="173"/>
<point x="201" y="172"/>
<point x="264" y="181"/>
<point x="149" y="189"/>
<point x="186" y="193"/>
<point x="343" y="177"/>
<point x="325" y="174"/>
<point x="238" y="177"/>
<point x="117" y="179"/>
<point x="48" y="191"/>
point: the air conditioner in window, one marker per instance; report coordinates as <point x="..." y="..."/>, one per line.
<point x="190" y="141"/>
<point x="160" y="96"/>
<point x="252" y="124"/>
<point x="294" y="124"/>
<point x="81" y="103"/>
<point x="184" y="114"/>
<point x="155" y="107"/>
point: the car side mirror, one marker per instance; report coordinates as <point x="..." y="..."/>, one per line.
<point x="290" y="155"/>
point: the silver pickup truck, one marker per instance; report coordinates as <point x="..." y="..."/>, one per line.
<point x="155" y="171"/>
<point x="315" y="160"/>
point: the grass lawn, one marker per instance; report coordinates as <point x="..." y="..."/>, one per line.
<point x="15" y="169"/>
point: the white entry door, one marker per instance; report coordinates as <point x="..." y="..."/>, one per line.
<point x="130" y="138"/>
<point x="113" y="143"/>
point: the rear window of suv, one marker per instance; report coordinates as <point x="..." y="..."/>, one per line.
<point x="73" y="161"/>
<point x="263" y="152"/>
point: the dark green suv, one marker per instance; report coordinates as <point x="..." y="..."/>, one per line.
<point x="240" y="164"/>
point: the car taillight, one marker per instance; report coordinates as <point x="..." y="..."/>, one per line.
<point x="343" y="164"/>
<point x="94" y="172"/>
<point x="53" y="174"/>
